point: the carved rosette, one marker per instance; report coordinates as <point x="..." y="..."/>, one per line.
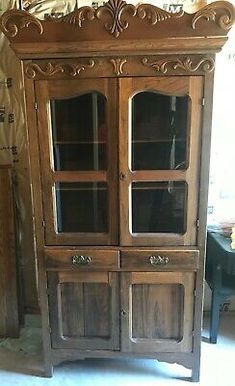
<point x="14" y="20"/>
<point x="50" y="69"/>
<point x="220" y="12"/>
<point x="118" y="64"/>
<point x="185" y="64"/>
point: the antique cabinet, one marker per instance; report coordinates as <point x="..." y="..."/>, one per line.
<point x="118" y="103"/>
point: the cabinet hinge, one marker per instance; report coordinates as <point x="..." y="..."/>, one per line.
<point x="43" y="223"/>
<point x="203" y="101"/>
<point x="35" y="105"/>
<point x="195" y="293"/>
<point x="197" y="223"/>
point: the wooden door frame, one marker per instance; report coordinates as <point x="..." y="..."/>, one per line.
<point x="187" y="280"/>
<point x="45" y="90"/>
<point x="187" y="85"/>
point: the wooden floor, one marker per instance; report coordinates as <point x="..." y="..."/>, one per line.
<point x="20" y="358"/>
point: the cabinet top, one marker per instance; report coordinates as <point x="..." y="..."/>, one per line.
<point x="118" y="27"/>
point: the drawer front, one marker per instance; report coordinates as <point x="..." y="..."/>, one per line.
<point x="81" y="259"/>
<point x="160" y="260"/>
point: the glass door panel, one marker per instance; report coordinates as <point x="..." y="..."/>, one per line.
<point x="81" y="207"/>
<point x="77" y="125"/>
<point x="159" y="207"/>
<point x="79" y="132"/>
<point x="159" y="131"/>
<point x="159" y="143"/>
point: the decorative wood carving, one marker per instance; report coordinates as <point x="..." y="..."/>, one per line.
<point x="154" y="14"/>
<point x="225" y="20"/>
<point x="186" y="64"/>
<point x="50" y="69"/>
<point x="117" y="10"/>
<point x="13" y="20"/>
<point x="118" y="64"/>
<point x="116" y="15"/>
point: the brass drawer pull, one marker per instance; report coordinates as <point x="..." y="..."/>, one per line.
<point x="159" y="260"/>
<point x="81" y="260"/>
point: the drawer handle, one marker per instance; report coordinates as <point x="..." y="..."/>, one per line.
<point x="159" y="260"/>
<point x="81" y="260"/>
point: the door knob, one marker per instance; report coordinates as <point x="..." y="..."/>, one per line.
<point x="122" y="176"/>
<point x="123" y="312"/>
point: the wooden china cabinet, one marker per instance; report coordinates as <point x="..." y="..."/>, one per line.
<point x="118" y="103"/>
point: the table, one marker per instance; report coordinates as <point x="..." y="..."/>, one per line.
<point x="220" y="275"/>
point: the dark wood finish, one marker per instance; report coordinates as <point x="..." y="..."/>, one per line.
<point x="146" y="48"/>
<point x="84" y="310"/>
<point x="97" y="259"/>
<point x="149" y="299"/>
<point x="160" y="260"/>
<point x="9" y="318"/>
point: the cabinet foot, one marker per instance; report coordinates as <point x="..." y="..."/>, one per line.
<point x="195" y="374"/>
<point x="48" y="370"/>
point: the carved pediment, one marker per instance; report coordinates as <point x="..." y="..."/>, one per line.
<point x="118" y="21"/>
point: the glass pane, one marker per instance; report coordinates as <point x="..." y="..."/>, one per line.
<point x="159" y="207"/>
<point x="153" y="306"/>
<point x="81" y="207"/>
<point x="79" y="132"/>
<point x="159" y="131"/>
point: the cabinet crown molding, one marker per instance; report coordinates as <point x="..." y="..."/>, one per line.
<point x="118" y="25"/>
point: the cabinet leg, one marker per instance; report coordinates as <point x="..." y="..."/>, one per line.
<point x="214" y="319"/>
<point x="48" y="370"/>
<point x="195" y="377"/>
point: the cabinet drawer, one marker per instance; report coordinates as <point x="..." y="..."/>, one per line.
<point x="82" y="259"/>
<point x="160" y="260"/>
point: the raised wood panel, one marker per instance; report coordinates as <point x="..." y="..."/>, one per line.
<point x="157" y="311"/>
<point x="151" y="306"/>
<point x="84" y="310"/>
<point x="160" y="260"/>
<point x="97" y="259"/>
<point x="9" y="319"/>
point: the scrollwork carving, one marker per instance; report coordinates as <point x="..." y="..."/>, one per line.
<point x="14" y="20"/>
<point x="186" y="64"/>
<point x="118" y="64"/>
<point x="154" y="14"/>
<point x="117" y="12"/>
<point x="209" y="13"/>
<point x="50" y="69"/>
<point x="79" y="16"/>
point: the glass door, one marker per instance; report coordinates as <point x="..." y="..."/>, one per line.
<point x="159" y="159"/>
<point x="76" y="129"/>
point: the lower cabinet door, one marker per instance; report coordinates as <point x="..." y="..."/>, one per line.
<point x="157" y="311"/>
<point x="84" y="310"/>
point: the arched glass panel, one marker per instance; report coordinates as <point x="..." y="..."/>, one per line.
<point x="79" y="132"/>
<point x="159" y="131"/>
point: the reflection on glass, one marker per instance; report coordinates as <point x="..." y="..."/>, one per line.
<point x="159" y="207"/>
<point x="159" y="131"/>
<point x="81" y="207"/>
<point x="79" y="132"/>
